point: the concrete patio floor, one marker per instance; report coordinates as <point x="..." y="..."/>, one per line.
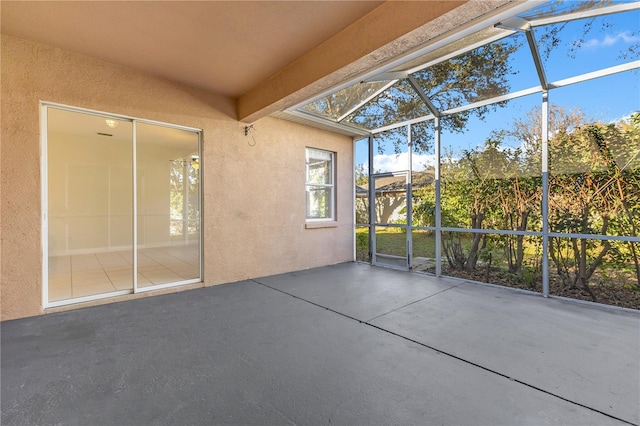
<point x="345" y="344"/>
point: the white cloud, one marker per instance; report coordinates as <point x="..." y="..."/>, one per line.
<point x="390" y="162"/>
<point x="400" y="162"/>
<point x="421" y="161"/>
<point x="609" y="40"/>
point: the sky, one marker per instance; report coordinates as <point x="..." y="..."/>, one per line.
<point x="606" y="99"/>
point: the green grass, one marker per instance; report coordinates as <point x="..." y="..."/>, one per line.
<point x="394" y="242"/>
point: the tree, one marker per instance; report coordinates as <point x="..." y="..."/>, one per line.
<point x="339" y="103"/>
<point x="471" y="183"/>
<point x="594" y="189"/>
<point x="627" y="170"/>
<point x="184" y="196"/>
<point x="361" y="176"/>
<point x="478" y="74"/>
<point x="423" y="193"/>
<point x="619" y="146"/>
<point x="520" y="194"/>
<point x="528" y="131"/>
<point x="577" y="205"/>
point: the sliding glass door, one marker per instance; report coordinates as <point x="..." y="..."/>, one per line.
<point x="104" y="220"/>
<point x="168" y="205"/>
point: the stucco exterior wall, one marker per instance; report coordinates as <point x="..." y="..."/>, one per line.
<point x="254" y="196"/>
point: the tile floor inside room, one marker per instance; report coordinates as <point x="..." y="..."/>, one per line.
<point x="81" y="275"/>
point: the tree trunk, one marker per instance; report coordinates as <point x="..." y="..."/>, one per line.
<point x="517" y="269"/>
<point x="556" y="256"/>
<point x="472" y="258"/>
<point x="514" y="252"/>
<point x="453" y="251"/>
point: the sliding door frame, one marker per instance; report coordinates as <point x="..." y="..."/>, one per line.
<point x="44" y="181"/>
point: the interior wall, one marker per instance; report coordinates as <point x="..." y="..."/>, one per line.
<point x="87" y="179"/>
<point x="90" y="193"/>
<point x="254" y="192"/>
<point x="153" y="193"/>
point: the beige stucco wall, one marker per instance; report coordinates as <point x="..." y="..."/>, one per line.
<point x="254" y="196"/>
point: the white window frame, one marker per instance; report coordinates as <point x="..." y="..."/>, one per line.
<point x="331" y="186"/>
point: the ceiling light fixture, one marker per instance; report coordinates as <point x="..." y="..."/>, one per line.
<point x="111" y="123"/>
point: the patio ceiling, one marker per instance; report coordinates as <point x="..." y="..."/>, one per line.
<point x="265" y="54"/>
<point x="522" y="45"/>
<point x="226" y="47"/>
<point x="321" y="49"/>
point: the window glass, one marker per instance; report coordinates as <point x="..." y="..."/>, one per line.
<point x="90" y="192"/>
<point x="90" y="210"/>
<point x="319" y="187"/>
<point x="168" y="205"/>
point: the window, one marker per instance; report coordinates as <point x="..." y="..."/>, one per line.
<point x="320" y="186"/>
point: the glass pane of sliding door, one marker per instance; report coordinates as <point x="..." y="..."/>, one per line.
<point x="102" y="219"/>
<point x="89" y="205"/>
<point x="168" y="205"/>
